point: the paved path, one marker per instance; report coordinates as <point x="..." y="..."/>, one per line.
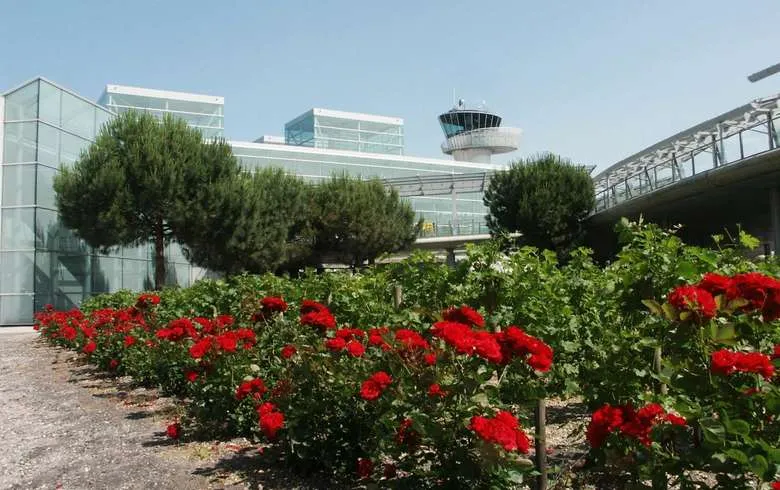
<point x="55" y="433"/>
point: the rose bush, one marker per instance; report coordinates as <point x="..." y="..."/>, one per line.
<point x="718" y="374"/>
<point x="409" y="405"/>
<point x="469" y="347"/>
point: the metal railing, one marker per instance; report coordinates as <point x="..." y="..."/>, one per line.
<point x="474" y="227"/>
<point x="502" y="139"/>
<point x="719" y="151"/>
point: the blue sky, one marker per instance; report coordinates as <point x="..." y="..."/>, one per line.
<point x="594" y="81"/>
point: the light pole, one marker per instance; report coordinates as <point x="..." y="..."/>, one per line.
<point x="766" y="72"/>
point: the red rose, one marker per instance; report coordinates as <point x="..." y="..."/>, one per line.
<point x="335" y="344"/>
<point x="411" y="340"/>
<point x="693" y="299"/>
<point x="435" y="390"/>
<point x="129" y="340"/>
<point x="370" y="390"/>
<point x="382" y="378"/>
<point x="465" y="315"/>
<point x="717" y="284"/>
<point x="271" y="420"/>
<point x="191" y="375"/>
<point x="676" y="419"/>
<point x="89" y="348"/>
<point x="355" y="349"/>
<point x="201" y="348"/>
<point x="174" y="430"/>
<point x="309" y="306"/>
<point x="364" y="467"/>
<point x="430" y="359"/>
<point x="503" y="429"/>
<point x="604" y="421"/>
<point x="113" y="364"/>
<point x="254" y="387"/>
<point x="288" y="351"/>
<point x="68" y="333"/>
<point x="269" y="306"/>
<point x="322" y="320"/>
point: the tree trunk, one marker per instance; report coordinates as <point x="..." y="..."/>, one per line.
<point x="159" y="255"/>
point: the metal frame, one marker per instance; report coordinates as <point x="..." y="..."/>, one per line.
<point x="692" y="141"/>
<point x="680" y="151"/>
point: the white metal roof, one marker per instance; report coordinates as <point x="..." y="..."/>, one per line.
<point x="164" y="94"/>
<point x="373" y="156"/>
<point x="690" y="141"/>
<point x="357" y="116"/>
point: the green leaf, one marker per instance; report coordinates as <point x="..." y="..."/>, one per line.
<point x="670" y="312"/>
<point x="759" y="465"/>
<point x="726" y="334"/>
<point x="654" y="307"/>
<point x="737" y="455"/>
<point x="739" y="427"/>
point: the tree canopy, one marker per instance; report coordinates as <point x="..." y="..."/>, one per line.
<point x="357" y="220"/>
<point x="132" y="184"/>
<point x="544" y="197"/>
<point x="250" y="223"/>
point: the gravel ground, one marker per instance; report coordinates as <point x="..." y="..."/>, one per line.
<point x="65" y="425"/>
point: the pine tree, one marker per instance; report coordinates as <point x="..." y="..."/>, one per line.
<point x="356" y="221"/>
<point x="132" y="184"/>
<point x="250" y="223"/>
<point x="545" y="198"/>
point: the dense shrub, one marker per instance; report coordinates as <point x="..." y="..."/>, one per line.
<point x="311" y="377"/>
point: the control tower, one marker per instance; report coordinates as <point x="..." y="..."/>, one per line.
<point x="473" y="135"/>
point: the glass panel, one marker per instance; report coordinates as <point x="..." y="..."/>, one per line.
<point x="16" y="310"/>
<point x="22" y="103"/>
<point x="18" y="185"/>
<point x="71" y="148"/>
<point x="17" y="229"/>
<point x="48" y="145"/>
<point x="16" y="272"/>
<point x="106" y="274"/>
<point x="52" y="235"/>
<point x="142" y="252"/>
<point x="137" y="275"/>
<point x="177" y="273"/>
<point x="19" y="142"/>
<point x="64" y="278"/>
<point x="101" y="117"/>
<point x="50" y="103"/>
<point x="78" y="116"/>
<point x="45" y="187"/>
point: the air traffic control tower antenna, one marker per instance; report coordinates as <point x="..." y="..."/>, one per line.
<point x="474" y="135"/>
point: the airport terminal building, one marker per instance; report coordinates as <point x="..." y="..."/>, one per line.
<point x="44" y="126"/>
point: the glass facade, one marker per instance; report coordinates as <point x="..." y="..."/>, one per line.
<point x="336" y="130"/>
<point x="204" y="112"/>
<point x="459" y="121"/>
<point x="460" y="214"/>
<point x="43" y="127"/>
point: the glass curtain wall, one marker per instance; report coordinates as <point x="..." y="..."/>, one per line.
<point x="330" y="132"/>
<point x="42" y="262"/>
<point x="207" y="117"/>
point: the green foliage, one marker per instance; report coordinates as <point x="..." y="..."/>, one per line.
<point x="543" y="197"/>
<point x="356" y="220"/>
<point x="605" y="324"/>
<point x="132" y="184"/>
<point x="250" y="223"/>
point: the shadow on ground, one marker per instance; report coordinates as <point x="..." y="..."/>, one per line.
<point x="259" y="471"/>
